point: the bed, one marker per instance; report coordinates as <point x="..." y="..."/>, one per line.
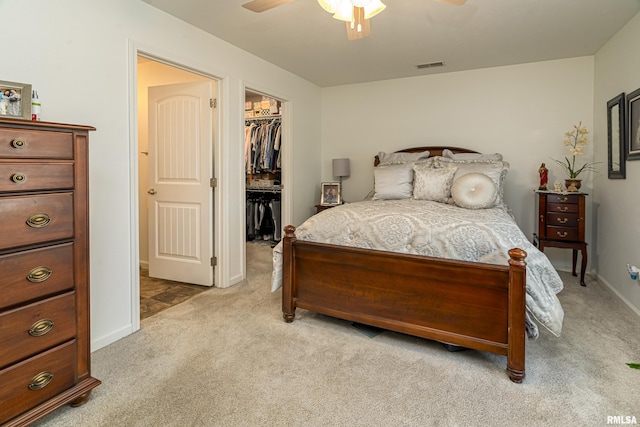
<point x="491" y="303"/>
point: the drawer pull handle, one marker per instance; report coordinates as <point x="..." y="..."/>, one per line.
<point x="38" y="220"/>
<point x="563" y="208"/>
<point x="41" y="327"/>
<point x="563" y="234"/>
<point x="563" y="199"/>
<point x="563" y="220"/>
<point x="39" y="274"/>
<point x="18" y="178"/>
<point x="18" y="143"/>
<point x="41" y="380"/>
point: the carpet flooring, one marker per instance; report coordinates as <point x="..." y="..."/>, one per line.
<point x="225" y="357"/>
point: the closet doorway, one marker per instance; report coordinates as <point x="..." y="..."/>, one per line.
<point x="263" y="156"/>
<point x="175" y="197"/>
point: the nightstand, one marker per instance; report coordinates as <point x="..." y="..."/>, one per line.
<point x="561" y="218"/>
<point x="320" y="208"/>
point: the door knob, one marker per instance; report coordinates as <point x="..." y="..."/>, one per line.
<point x="151" y="191"/>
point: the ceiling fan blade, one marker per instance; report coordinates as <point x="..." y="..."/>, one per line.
<point x="354" y="34"/>
<point x="263" y="5"/>
<point x="455" y="2"/>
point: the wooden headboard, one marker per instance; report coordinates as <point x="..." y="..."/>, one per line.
<point x="433" y="151"/>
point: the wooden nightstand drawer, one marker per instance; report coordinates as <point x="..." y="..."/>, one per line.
<point x="29" y="383"/>
<point x="30" y="275"/>
<point x="28" y="330"/>
<point x="564" y="208"/>
<point x="562" y="233"/>
<point x="16" y="177"/>
<point x="26" y="143"/>
<point x="563" y="198"/>
<point x="562" y="219"/>
<point x="33" y="219"/>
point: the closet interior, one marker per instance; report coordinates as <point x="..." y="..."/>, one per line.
<point x="262" y="154"/>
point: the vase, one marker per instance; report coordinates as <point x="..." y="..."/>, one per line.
<point x="572" y="184"/>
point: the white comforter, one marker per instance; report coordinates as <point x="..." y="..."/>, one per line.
<point x="439" y="230"/>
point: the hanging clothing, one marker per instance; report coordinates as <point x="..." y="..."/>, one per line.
<point x="263" y="216"/>
<point x="262" y="146"/>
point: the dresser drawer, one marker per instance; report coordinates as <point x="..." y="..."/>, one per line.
<point x="562" y="233"/>
<point x="562" y="219"/>
<point x="23" y="144"/>
<point x="35" y="380"/>
<point x="37" y="218"/>
<point x="28" y="330"/>
<point x="35" y="176"/>
<point x="31" y="275"/>
<point x="560" y="207"/>
<point x="563" y="198"/>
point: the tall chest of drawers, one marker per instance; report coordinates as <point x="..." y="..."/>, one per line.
<point x="561" y="224"/>
<point x="44" y="269"/>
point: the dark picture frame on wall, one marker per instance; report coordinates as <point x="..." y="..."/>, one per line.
<point x="633" y="125"/>
<point x="617" y="136"/>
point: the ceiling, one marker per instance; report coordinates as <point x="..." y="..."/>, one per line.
<point x="304" y="39"/>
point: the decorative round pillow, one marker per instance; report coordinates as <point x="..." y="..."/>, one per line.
<point x="474" y="191"/>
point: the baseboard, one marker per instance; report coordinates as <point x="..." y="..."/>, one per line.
<point x="635" y="309"/>
<point x="104" y="341"/>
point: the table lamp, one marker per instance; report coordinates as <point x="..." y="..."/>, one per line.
<point x="341" y="168"/>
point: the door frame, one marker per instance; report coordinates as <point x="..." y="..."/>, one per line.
<point x="135" y="50"/>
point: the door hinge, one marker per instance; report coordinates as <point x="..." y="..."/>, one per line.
<point x="214" y="261"/>
<point x="213" y="102"/>
<point x="213" y="182"/>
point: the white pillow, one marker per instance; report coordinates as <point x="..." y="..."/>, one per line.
<point x="393" y="182"/>
<point x="496" y="170"/>
<point x="474" y="191"/>
<point x="432" y="184"/>
<point x="471" y="156"/>
<point x="398" y="158"/>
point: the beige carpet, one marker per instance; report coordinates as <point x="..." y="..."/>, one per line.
<point x="226" y="358"/>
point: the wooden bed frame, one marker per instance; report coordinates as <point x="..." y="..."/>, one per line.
<point x="472" y="305"/>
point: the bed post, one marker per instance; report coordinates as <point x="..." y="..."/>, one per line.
<point x="288" y="309"/>
<point x="516" y="317"/>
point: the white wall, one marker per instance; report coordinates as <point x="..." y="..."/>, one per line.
<point x="521" y="111"/>
<point x="76" y="53"/>
<point x="616" y="204"/>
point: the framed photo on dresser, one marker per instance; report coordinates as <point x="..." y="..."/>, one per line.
<point x="633" y="113"/>
<point x="331" y="194"/>
<point x="15" y="100"/>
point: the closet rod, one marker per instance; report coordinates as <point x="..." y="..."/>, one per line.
<point x="264" y="190"/>
<point x="270" y="118"/>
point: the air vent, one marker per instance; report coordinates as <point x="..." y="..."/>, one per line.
<point x="430" y="65"/>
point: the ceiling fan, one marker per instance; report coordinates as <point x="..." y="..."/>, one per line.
<point x="355" y="13"/>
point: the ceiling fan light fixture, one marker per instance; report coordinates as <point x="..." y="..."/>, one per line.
<point x="373" y="8"/>
<point x="344" y="11"/>
<point x="329" y="5"/>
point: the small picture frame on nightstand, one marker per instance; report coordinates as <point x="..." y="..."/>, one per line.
<point x="331" y="194"/>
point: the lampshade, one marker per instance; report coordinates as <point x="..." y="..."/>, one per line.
<point x="341" y="167"/>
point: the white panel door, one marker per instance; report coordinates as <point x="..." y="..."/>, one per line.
<point x="180" y="194"/>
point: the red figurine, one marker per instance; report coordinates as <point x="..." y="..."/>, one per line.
<point x="544" y="177"/>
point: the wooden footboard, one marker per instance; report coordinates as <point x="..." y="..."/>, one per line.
<point x="478" y="306"/>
